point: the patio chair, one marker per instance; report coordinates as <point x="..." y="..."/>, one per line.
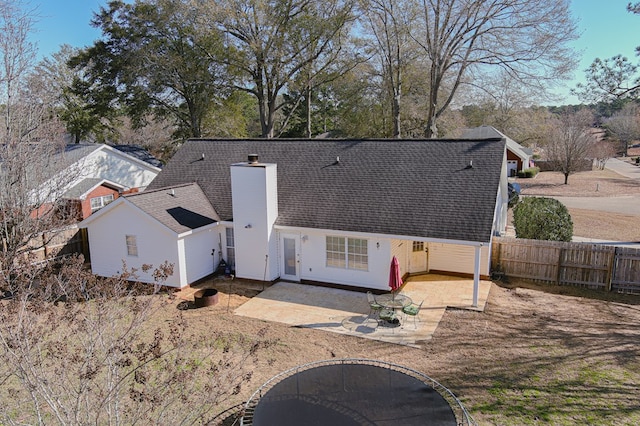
<point x="413" y="310"/>
<point x="374" y="307"/>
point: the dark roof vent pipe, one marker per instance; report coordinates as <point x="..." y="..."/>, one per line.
<point x="253" y="158"/>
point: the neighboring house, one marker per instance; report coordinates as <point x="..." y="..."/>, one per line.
<point x="140" y="153"/>
<point x="320" y="210"/>
<point x="89" y="176"/>
<point x="518" y="157"/>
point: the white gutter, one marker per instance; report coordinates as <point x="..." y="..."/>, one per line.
<point x="397" y="237"/>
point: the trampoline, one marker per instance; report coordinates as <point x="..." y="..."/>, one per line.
<point x="353" y="392"/>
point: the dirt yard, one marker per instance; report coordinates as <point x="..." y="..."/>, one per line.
<point x="601" y="184"/>
<point x="537" y="355"/>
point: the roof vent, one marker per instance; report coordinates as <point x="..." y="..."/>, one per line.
<point x="253" y="158"/>
<point x="470" y="165"/>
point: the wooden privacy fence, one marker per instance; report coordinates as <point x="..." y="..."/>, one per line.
<point x="603" y="267"/>
<point x="58" y="243"/>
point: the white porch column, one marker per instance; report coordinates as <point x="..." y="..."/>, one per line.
<point x="476" y="276"/>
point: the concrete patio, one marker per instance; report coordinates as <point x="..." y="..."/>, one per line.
<point x="345" y="312"/>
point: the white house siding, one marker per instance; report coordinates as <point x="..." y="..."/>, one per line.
<point x="457" y="258"/>
<point x="107" y="244"/>
<point x="502" y="202"/>
<point x="108" y="164"/>
<point x="197" y="253"/>
<point x="104" y="163"/>
<point x="400" y="249"/>
<point x="313" y="267"/>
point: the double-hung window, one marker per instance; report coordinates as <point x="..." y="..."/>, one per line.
<point x="132" y="245"/>
<point x="99" y="202"/>
<point x="347" y="253"/>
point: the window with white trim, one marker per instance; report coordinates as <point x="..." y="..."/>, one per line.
<point x="231" y="248"/>
<point x="418" y="246"/>
<point x="132" y="245"/>
<point x="99" y="202"/>
<point x="347" y="253"/>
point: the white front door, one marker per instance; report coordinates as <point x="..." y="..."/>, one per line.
<point x="290" y="257"/>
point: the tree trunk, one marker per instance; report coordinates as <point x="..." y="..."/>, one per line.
<point x="309" y="111"/>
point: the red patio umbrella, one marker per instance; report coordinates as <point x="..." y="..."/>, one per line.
<point x="395" y="280"/>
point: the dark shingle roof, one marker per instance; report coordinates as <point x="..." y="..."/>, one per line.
<point x="421" y="188"/>
<point x="140" y="153"/>
<point x="180" y="208"/>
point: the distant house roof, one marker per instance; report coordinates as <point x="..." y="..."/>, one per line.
<point x="180" y="208"/>
<point x="483" y="132"/>
<point x="82" y="188"/>
<point x="139" y="153"/>
<point x="421" y="188"/>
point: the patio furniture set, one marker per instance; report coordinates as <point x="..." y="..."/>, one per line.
<point x="392" y="309"/>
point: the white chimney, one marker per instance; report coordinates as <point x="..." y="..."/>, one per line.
<point x="254" y="195"/>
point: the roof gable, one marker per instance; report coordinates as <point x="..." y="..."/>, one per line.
<point x="483" y="132"/>
<point x="421" y="188"/>
<point x="180" y="208"/>
<point x="85" y="186"/>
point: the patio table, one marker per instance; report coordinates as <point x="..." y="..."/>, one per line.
<point x="392" y="302"/>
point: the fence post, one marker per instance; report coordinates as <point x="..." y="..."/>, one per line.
<point x="612" y="268"/>
<point x="561" y="252"/>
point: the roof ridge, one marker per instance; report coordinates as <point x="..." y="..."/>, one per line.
<point x="164" y="188"/>
<point x="346" y="140"/>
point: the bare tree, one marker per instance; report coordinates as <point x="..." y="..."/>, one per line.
<point x="625" y="125"/>
<point x="77" y="349"/>
<point x="602" y="151"/>
<point x="463" y="39"/>
<point x="31" y="204"/>
<point x="17" y="56"/>
<point x="570" y="143"/>
<point x="272" y="42"/>
<point x="388" y="23"/>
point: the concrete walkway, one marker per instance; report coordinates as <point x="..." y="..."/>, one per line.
<point x="345" y="312"/>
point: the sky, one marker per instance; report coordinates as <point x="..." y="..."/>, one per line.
<point x="606" y="29"/>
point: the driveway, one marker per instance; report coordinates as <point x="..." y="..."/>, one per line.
<point x="623" y="168"/>
<point x="628" y="204"/>
<point x="345" y="312"/>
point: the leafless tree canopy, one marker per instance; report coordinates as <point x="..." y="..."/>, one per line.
<point x="462" y="39"/>
<point x="625" y="125"/>
<point x="570" y="143"/>
<point x="273" y="44"/>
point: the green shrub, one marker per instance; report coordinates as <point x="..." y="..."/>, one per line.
<point x="542" y="219"/>
<point x="528" y="173"/>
